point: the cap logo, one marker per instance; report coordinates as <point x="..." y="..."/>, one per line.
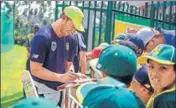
<point x="116" y="54"/>
<point x="99" y="66"/>
<point x="156" y="51"/>
<point x="130" y="53"/>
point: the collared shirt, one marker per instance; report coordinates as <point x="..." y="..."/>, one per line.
<point x="52" y="52"/>
<point x="165" y="99"/>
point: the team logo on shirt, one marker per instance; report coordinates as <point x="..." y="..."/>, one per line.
<point x="67" y="46"/>
<point x="35" y="56"/>
<point x="53" y="46"/>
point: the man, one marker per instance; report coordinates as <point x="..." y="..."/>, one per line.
<point x="152" y="38"/>
<point x="141" y="84"/>
<point x="51" y="52"/>
<point x="80" y="63"/>
<point x="28" y="44"/>
<point x="30" y="36"/>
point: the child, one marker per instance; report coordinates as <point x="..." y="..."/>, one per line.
<point x="32" y="102"/>
<point x="141" y="84"/>
<point x="162" y="68"/>
<point x="117" y="64"/>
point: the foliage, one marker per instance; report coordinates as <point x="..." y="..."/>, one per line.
<point x="28" y="13"/>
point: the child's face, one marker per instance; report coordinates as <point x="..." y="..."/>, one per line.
<point x="158" y="39"/>
<point x="160" y="75"/>
<point x="141" y="92"/>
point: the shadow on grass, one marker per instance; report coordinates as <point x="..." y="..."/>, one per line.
<point x="12" y="99"/>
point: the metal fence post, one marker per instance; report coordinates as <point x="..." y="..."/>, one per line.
<point x="56" y="10"/>
<point x="146" y="9"/>
<point x="152" y="15"/>
<point x="108" y="22"/>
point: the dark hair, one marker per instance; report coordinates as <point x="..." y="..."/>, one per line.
<point x="173" y="65"/>
<point x="124" y="79"/>
<point x="63" y="14"/>
<point x="129" y="44"/>
<point x="175" y="68"/>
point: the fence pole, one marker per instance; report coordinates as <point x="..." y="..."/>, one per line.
<point x="164" y="14"/>
<point x="94" y="24"/>
<point x="170" y="13"/>
<point x="56" y="10"/>
<point x="108" y="22"/>
<point x="152" y="15"/>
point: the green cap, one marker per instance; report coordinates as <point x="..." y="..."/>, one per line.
<point x="109" y="96"/>
<point x="117" y="60"/>
<point x="121" y="36"/>
<point x="83" y="89"/>
<point x="32" y="102"/>
<point x="76" y="15"/>
<point x="163" y="54"/>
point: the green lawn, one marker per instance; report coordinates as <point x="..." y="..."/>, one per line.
<point x="13" y="62"/>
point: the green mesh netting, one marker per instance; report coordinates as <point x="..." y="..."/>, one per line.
<point x="7" y="28"/>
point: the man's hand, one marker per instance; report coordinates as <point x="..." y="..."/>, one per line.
<point x="68" y="77"/>
<point x="82" y="76"/>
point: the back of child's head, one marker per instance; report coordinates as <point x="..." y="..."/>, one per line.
<point x="141" y="76"/>
<point x="32" y="102"/>
<point x="117" y="61"/>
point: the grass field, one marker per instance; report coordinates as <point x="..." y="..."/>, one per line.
<point x="13" y="62"/>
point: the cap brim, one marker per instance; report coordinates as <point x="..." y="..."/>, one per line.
<point x="83" y="90"/>
<point x="79" y="26"/>
<point x="143" y="60"/>
<point x="93" y="64"/>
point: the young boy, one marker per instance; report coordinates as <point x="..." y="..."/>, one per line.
<point x="141" y="84"/>
<point x="162" y="68"/>
<point x="117" y="64"/>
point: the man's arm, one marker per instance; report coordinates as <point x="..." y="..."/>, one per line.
<point x="82" y="53"/>
<point x="43" y="73"/>
<point x="83" y="61"/>
<point x="68" y="65"/>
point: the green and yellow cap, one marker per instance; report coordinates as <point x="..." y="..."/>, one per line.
<point x="76" y="15"/>
<point x="164" y="54"/>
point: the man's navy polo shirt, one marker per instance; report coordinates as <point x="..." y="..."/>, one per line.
<point x="51" y="51"/>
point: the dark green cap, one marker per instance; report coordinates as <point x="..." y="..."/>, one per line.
<point x="117" y="60"/>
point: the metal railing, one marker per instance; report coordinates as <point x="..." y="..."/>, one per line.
<point x="100" y="17"/>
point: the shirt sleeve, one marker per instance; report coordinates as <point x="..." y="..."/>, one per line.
<point x="82" y="46"/>
<point x="38" y="49"/>
<point x="73" y="43"/>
